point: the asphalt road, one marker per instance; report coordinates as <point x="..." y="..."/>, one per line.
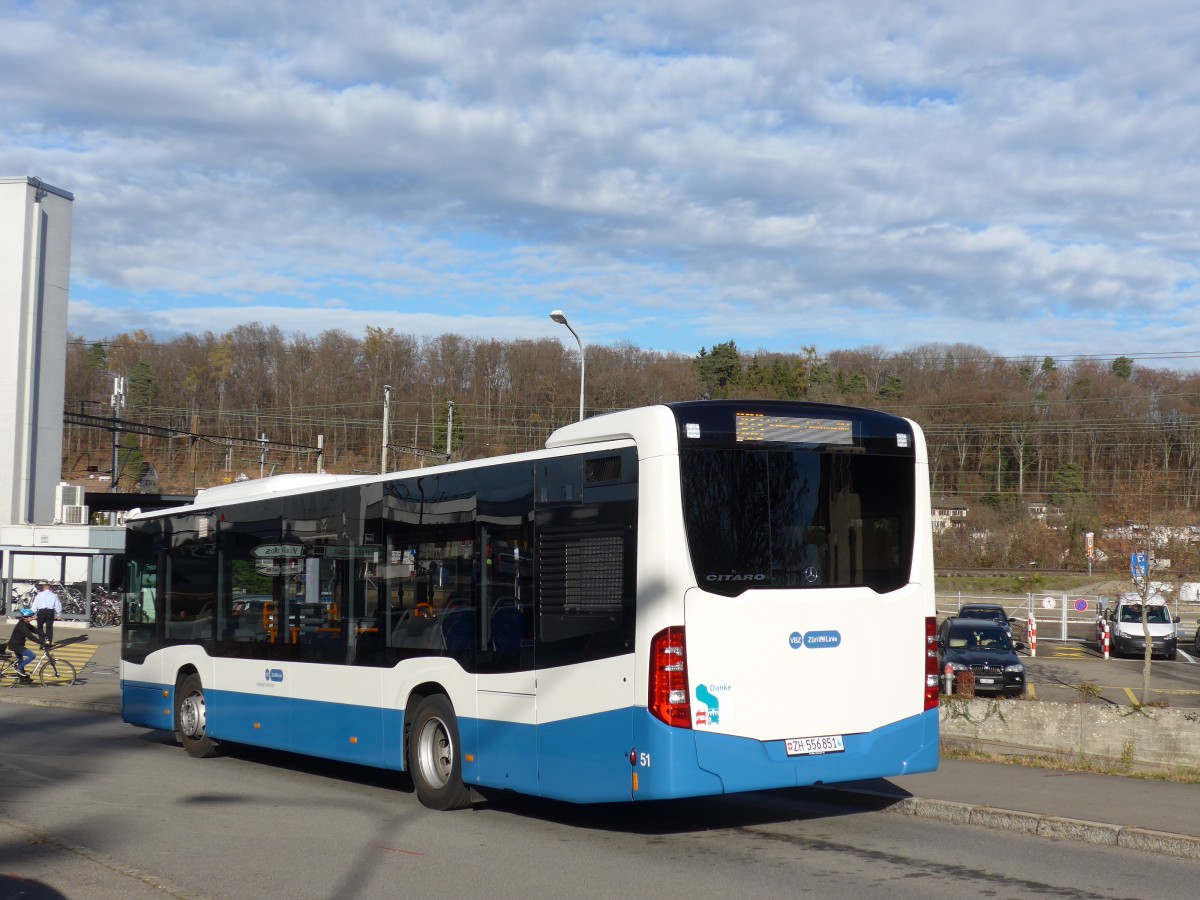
<point x="92" y="808"/>
<point x="1070" y="671"/>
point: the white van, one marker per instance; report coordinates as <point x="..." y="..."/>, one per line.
<point x="1128" y="634"/>
<point x="1189" y="592"/>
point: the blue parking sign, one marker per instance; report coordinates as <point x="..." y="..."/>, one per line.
<point x="1137" y="564"/>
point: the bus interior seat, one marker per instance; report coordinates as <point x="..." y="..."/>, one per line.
<point x="507" y="626"/>
<point x="413" y="631"/>
<point x="458" y="629"/>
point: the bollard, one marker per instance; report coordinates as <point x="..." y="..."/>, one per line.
<point x="1032" y="628"/>
<point x="1107" y="638"/>
<point x="948" y="679"/>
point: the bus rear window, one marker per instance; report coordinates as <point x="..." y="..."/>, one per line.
<point x="797" y="518"/>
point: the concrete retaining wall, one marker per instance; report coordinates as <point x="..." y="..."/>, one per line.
<point x="1120" y="735"/>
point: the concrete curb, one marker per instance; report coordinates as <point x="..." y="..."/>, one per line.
<point x="1104" y="834"/>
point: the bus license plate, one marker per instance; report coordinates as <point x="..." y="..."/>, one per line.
<point x="814" y="746"/>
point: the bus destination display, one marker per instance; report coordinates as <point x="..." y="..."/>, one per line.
<point x="792" y="430"/>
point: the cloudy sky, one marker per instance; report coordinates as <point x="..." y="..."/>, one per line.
<point x="1020" y="175"/>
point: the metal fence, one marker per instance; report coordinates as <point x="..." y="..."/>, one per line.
<point x="1060" y="616"/>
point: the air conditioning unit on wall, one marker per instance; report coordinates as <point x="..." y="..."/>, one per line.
<point x="74" y="514"/>
<point x="67" y="495"/>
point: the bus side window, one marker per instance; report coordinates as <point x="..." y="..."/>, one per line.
<point x="582" y="581"/>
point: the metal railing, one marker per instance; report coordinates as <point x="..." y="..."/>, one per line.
<point x="1060" y="616"/>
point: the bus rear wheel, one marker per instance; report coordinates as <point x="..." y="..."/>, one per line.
<point x="435" y="757"/>
<point x="191" y="724"/>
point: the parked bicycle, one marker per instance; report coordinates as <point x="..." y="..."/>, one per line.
<point x="47" y="669"/>
<point x="70" y="597"/>
<point x="106" y="608"/>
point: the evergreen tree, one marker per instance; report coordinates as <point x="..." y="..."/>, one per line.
<point x="720" y="372"/>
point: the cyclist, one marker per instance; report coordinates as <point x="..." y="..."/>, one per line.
<point x="23" y="631"/>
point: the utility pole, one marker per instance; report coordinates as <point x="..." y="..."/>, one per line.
<point x="449" y="426"/>
<point x="195" y="440"/>
<point x="387" y="408"/>
<point x="118" y="401"/>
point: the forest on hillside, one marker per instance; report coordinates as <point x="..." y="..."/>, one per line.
<point x="1099" y="441"/>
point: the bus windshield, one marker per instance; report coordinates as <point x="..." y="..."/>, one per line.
<point x="797" y="517"/>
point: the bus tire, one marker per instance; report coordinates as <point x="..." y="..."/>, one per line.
<point x="191" y="724"/>
<point x="435" y="756"/>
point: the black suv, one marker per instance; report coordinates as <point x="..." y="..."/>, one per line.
<point x="982" y="647"/>
<point x="993" y="611"/>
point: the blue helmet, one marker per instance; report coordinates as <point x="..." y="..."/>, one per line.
<point x="26" y="612"/>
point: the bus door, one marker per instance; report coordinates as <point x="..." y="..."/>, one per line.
<point x="504" y="657"/>
<point x="585" y="662"/>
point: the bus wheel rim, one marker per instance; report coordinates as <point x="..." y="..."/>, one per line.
<point x="191" y="716"/>
<point x="435" y="753"/>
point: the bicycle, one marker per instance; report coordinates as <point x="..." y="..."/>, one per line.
<point x="46" y="668"/>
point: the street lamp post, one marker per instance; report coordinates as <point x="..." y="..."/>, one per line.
<point x="560" y="317"/>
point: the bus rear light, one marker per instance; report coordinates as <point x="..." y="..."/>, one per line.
<point x="668" y="678"/>
<point x="931" y="663"/>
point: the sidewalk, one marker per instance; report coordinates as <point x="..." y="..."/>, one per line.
<point x="1109" y="810"/>
<point x="1154" y="816"/>
<point x="99" y="686"/>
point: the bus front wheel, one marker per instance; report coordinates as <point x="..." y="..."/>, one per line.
<point x="435" y="757"/>
<point x="191" y="724"/>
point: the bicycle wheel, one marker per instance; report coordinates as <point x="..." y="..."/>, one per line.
<point x="56" y="672"/>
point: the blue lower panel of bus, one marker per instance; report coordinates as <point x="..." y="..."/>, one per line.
<point x="588" y="759"/>
<point x="151" y="705"/>
<point x="610" y="756"/>
<point x="699" y="763"/>
<point x="341" y="731"/>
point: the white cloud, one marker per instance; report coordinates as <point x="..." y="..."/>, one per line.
<point x="837" y="174"/>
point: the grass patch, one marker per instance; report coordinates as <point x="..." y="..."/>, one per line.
<point x="1072" y="764"/>
<point x="988" y="585"/>
<point x="1087" y="690"/>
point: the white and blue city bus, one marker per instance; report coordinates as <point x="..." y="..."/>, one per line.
<point x="674" y="601"/>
